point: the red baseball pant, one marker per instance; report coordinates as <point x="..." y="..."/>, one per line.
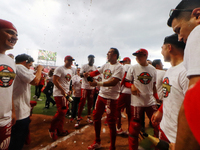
<point x="89" y="95"/>
<point x="124" y="101"/>
<point x="5" y="133"/>
<point x="59" y="117"/>
<point x="99" y="109"/>
<point x="135" y="124"/>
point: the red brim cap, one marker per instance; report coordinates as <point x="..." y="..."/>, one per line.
<point x="6" y="24"/>
<point x="192" y="110"/>
<point x="68" y="57"/>
<point x="141" y="51"/>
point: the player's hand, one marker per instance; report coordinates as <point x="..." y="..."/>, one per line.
<point x="86" y="74"/>
<point x="40" y="67"/>
<point x="69" y="93"/>
<point x="156" y="117"/>
<point x="172" y="146"/>
<point x="135" y="90"/>
<point x="94" y="83"/>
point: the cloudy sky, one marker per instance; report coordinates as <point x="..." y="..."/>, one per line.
<point x="82" y="27"/>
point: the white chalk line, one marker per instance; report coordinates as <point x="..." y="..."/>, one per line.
<point x="67" y="137"/>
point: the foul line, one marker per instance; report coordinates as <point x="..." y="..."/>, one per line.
<point x="54" y="144"/>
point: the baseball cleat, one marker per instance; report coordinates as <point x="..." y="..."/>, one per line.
<point x="95" y="145"/>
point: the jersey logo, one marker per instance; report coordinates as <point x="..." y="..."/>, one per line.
<point x="7" y="76"/>
<point x="107" y="74"/>
<point x="145" y="78"/>
<point x="81" y="81"/>
<point x="68" y="77"/>
<point x="99" y="79"/>
<point x="166" y="87"/>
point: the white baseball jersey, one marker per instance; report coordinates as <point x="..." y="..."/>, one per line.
<point x="175" y="84"/>
<point x="159" y="81"/>
<point x="85" y="83"/>
<point x="111" y="71"/>
<point x="22" y="91"/>
<point x="144" y="78"/>
<point x="7" y="75"/>
<point x="192" y="52"/>
<point x="123" y="88"/>
<point x="64" y="80"/>
<point x="77" y="82"/>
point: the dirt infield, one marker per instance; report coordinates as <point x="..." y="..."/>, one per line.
<point x="78" y="139"/>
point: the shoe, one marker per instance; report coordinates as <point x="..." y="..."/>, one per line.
<point x="71" y="120"/>
<point x="39" y="99"/>
<point x="95" y="145"/>
<point x="34" y="96"/>
<point x="123" y="116"/>
<point x="77" y="123"/>
<point x="89" y="120"/>
<point x="120" y="131"/>
<point x="63" y="133"/>
<point x="53" y="135"/>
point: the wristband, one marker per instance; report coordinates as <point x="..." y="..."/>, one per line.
<point x="99" y="83"/>
<point x="128" y="84"/>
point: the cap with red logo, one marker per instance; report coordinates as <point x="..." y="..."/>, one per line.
<point x="125" y="59"/>
<point x="141" y="51"/>
<point x="68" y="57"/>
<point x="6" y="24"/>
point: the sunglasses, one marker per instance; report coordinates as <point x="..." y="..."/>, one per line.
<point x="179" y="10"/>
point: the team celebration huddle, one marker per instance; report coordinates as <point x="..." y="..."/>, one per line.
<point x="168" y="98"/>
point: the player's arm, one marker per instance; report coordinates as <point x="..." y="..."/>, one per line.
<point x="193" y="79"/>
<point x="157" y="116"/>
<point x="112" y="82"/>
<point x="57" y="84"/>
<point x="185" y="134"/>
<point x="155" y="94"/>
<point x="38" y="73"/>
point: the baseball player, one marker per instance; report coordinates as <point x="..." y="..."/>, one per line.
<point x="107" y="98"/>
<point x="21" y="98"/>
<point x="87" y="91"/>
<point x="8" y="38"/>
<point x="184" y="20"/>
<point x="175" y="84"/>
<point x="124" y="99"/>
<point x="61" y="79"/>
<point x="144" y="94"/>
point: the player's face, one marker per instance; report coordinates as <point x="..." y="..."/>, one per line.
<point x="8" y="38"/>
<point x="68" y="63"/>
<point x="91" y="60"/>
<point x="165" y="53"/>
<point x="78" y="71"/>
<point x="28" y="65"/>
<point x="141" y="59"/>
<point x="110" y="55"/>
<point x="183" y="28"/>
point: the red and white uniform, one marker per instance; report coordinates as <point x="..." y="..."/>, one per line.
<point x="65" y="75"/>
<point x="175" y="85"/>
<point x="108" y="99"/>
<point x="87" y="91"/>
<point x="143" y="78"/>
<point x="7" y="75"/>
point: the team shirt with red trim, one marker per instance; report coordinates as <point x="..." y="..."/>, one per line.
<point x="159" y="80"/>
<point x="123" y="88"/>
<point x="65" y="75"/>
<point x="7" y="75"/>
<point x="85" y="83"/>
<point x="22" y="92"/>
<point x="76" y="83"/>
<point x="111" y="71"/>
<point x="192" y="53"/>
<point x="143" y="78"/>
<point x="175" y="85"/>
